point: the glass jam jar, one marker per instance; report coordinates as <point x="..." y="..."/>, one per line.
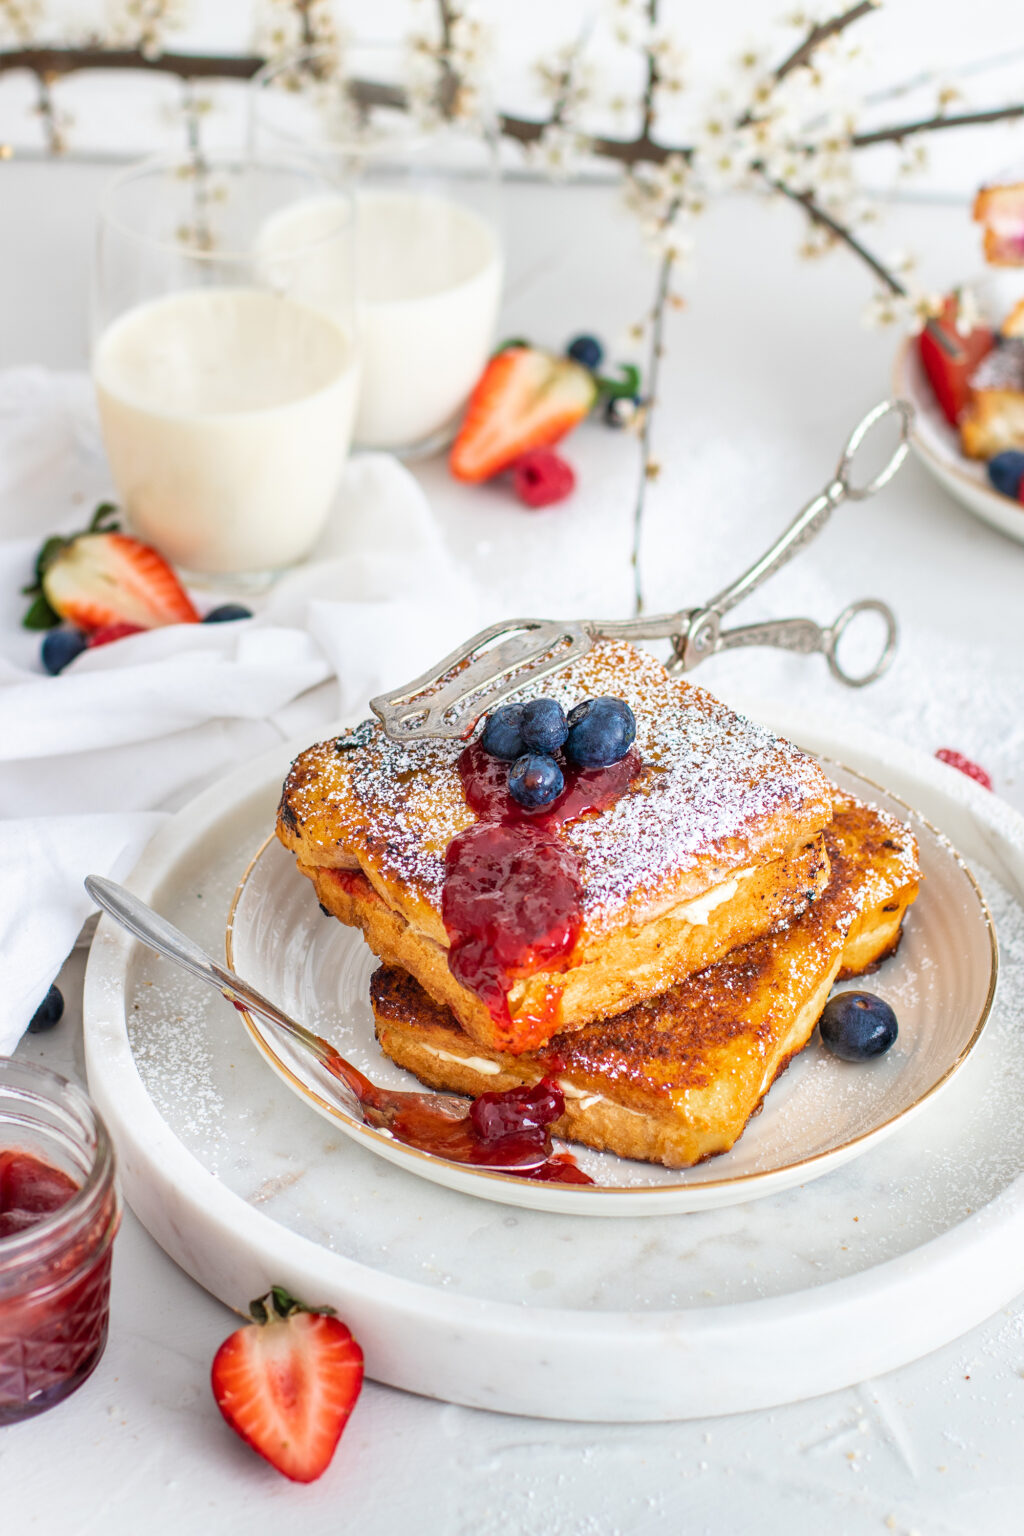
<point x="59" y="1213"/>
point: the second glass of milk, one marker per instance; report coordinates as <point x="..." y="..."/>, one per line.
<point x="226" y="376"/>
<point x="429" y="257"/>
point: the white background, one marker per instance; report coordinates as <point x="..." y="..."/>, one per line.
<point x="767" y="370"/>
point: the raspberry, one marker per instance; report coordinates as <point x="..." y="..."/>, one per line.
<point x="540" y="478"/>
<point x="957" y="760"/>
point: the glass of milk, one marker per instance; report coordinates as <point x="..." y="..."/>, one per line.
<point x="226" y="370"/>
<point x="428" y="246"/>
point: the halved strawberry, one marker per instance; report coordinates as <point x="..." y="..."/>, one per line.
<point x="524" y="399"/>
<point x="288" y="1382"/>
<point x="103" y="577"/>
<point x="949" y="358"/>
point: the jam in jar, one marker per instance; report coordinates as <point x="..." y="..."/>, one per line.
<point x="59" y="1213"/>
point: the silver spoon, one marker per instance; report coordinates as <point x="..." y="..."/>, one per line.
<point x="382" y="1108"/>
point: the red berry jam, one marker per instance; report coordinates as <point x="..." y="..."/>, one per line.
<point x="485" y="786"/>
<point x="494" y="1115"/>
<point x="500" y="1128"/>
<point x="30" y="1190"/>
<point x="56" y="1235"/>
<point x="511" y="903"/>
<point x="511" y="906"/>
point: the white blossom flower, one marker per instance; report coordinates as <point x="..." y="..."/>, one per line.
<point x="922" y="307"/>
<point x="914" y="159"/>
<point x="884" y="309"/>
<point x="968" y="311"/>
<point x="555" y="151"/>
<point x="670" y="61"/>
<point x="818" y="241"/>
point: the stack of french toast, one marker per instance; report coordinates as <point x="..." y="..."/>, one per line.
<point x="719" y="898"/>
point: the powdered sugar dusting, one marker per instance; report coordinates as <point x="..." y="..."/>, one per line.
<point x="1002" y="368"/>
<point x="717" y="792"/>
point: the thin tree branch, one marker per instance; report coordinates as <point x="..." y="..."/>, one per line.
<point x="448" y="85"/>
<point x="821" y="216"/>
<point x="652" y="82"/>
<point x="820" y="33"/>
<point x="187" y="66"/>
<point x="901" y="131"/>
<point x="647" y="468"/>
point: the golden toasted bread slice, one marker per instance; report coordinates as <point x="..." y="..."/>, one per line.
<point x="676" y="1078"/>
<point x="1012" y="328"/>
<point x="1000" y="209"/>
<point x="716" y="840"/>
<point x="607" y="974"/>
<point x="994" y="418"/>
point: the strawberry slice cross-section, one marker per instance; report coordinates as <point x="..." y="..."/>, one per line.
<point x="287" y="1383"/>
<point x="524" y="399"/>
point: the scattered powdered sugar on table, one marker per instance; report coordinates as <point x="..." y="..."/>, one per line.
<point x="168" y="1035"/>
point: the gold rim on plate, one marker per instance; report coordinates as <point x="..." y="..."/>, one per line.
<point x="375" y="1139"/>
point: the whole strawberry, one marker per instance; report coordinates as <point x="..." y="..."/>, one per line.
<point x="287" y="1383"/>
<point x="102" y="577"/>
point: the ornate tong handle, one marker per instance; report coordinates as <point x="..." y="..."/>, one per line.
<point x="806" y="637"/>
<point x="696" y="633"/>
<point x="447" y="701"/>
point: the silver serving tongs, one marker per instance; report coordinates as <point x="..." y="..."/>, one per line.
<point x="448" y="700"/>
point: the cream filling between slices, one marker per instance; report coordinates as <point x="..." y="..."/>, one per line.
<point x="491" y="1068"/>
<point x="698" y="911"/>
<point x="476" y="1063"/>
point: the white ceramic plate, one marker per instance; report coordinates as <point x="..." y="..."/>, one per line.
<point x="717" y="1311"/>
<point x="936" y="443"/>
<point x="820" y="1113"/>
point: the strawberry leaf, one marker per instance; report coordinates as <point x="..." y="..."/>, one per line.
<point x="40" y="614"/>
<point x="105" y="519"/>
<point x="279" y="1303"/>
<point x="627" y="385"/>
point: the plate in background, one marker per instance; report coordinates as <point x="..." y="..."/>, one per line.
<point x="936" y="443"/>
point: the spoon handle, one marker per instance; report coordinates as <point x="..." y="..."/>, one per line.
<point x="139" y="919"/>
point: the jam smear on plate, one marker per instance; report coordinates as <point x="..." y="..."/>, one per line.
<point x="498" y="1128"/>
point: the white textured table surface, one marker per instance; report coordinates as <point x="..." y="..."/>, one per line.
<point x="767" y="370"/>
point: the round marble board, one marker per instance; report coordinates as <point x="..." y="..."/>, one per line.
<point x="538" y="1311"/>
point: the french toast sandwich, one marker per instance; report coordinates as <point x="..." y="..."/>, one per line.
<point x="675" y="1078"/>
<point x="716" y="840"/>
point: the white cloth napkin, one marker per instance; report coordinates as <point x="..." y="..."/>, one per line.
<point x="91" y="761"/>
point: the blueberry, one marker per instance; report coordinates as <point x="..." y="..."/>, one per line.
<point x="620" y="410"/>
<point x="601" y="731"/>
<point x="543" y="726"/>
<point x="61" y="646"/>
<point x="227" y="613"/>
<point x="586" y="350"/>
<point x="855" y="1026"/>
<point x="48" y="1013"/>
<point x="535" y="780"/>
<point x="1006" y="471"/>
<point x="501" y="737"/>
